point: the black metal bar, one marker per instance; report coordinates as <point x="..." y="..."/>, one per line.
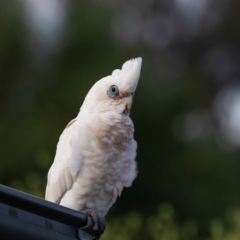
<point x="23" y="216"/>
<point x="41" y="207"/>
<point x="12" y="228"/>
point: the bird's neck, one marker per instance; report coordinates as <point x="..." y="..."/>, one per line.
<point x="112" y="129"/>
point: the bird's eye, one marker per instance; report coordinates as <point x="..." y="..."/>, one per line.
<point x="113" y="91"/>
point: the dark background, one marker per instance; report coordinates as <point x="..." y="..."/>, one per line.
<point x="186" y="109"/>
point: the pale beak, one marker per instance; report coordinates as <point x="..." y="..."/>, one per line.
<point x="128" y="103"/>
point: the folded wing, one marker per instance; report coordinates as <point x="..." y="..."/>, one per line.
<point x="67" y="164"/>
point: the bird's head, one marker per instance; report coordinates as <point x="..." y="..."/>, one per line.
<point x="114" y="92"/>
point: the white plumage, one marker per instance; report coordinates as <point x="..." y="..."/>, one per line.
<point x="96" y="152"/>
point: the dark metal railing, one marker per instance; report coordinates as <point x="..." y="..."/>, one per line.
<point x="23" y="216"/>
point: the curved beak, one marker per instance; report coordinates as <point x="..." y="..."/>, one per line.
<point x="128" y="76"/>
<point x="128" y="103"/>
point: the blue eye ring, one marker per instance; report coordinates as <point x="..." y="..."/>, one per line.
<point x="113" y="91"/>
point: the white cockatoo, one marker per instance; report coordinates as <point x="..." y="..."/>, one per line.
<point x="96" y="152"/>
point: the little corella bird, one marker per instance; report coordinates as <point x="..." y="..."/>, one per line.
<point x="95" y="157"/>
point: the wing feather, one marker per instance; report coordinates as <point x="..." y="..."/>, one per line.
<point x="62" y="173"/>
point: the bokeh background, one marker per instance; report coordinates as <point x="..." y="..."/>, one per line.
<point x="186" y="109"/>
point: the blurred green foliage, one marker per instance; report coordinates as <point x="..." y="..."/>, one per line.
<point x="164" y="226"/>
<point x="183" y="158"/>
